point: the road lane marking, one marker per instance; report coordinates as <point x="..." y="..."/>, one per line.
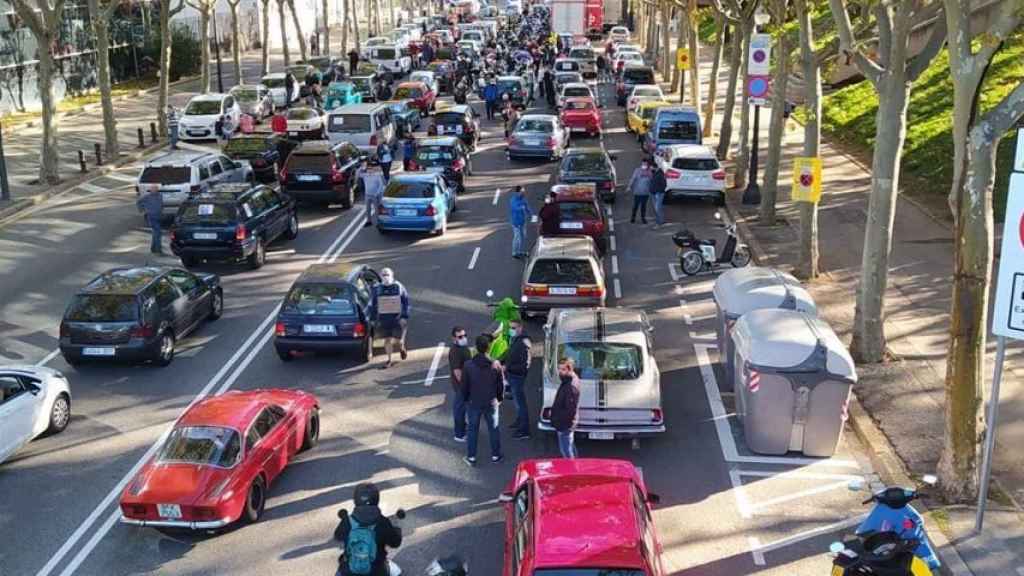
<point x="441" y="377"/>
<point x="615" y="264"/>
<point x="261" y="330"/>
<point x="618" y="288"/>
<point x="611" y="242"/>
<point x="672" y="271"/>
<point x="497" y="194"/>
<point x="805" y="535"/>
<point x="46" y="359"/>
<point x="120" y="177"/>
<point x="92" y="188"/>
<point x="611" y="225"/>
<point x="472" y="261"/>
<point x="429" y="380"/>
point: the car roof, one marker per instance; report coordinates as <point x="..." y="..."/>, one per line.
<point x="177" y="157"/>
<point x="653" y="103"/>
<point x="314" y="147"/>
<point x="458" y="108"/>
<point x="247" y="87"/>
<point x="274" y="75"/>
<point x="336" y="272"/>
<point x="580" y="99"/>
<point x="682" y="110"/>
<point x="647" y="87"/>
<point x="600" y="325"/>
<point x="235" y="409"/>
<point x="211" y="97"/>
<point x="547" y="117"/>
<point x="565" y="247"/>
<point x="638" y="67"/>
<point x="511" y="77"/>
<point x="691" y="151"/>
<point x="412" y="83"/>
<point x="124" y="280"/>
<point x="583" y="150"/>
<point x="576" y="85"/>
<point x="437" y="141"/>
<point x="362" y="108"/>
<point x="414" y="177"/>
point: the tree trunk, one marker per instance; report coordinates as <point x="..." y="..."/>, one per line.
<point x="265" y="65"/>
<point x="325" y="48"/>
<point x="236" y="42"/>
<point x="303" y="49"/>
<point x="677" y="74"/>
<point x="666" y="36"/>
<point x="355" y="23"/>
<point x="694" y="45"/>
<point x="285" y="53"/>
<point x="709" y="109"/>
<point x="868" y="343"/>
<point x="204" y="33"/>
<point x="736" y="53"/>
<point x="344" y="27"/>
<point x="807" y="265"/>
<point x="743" y="153"/>
<point x="49" y="164"/>
<point x="776" y="133"/>
<point x="101" y="29"/>
<point x="165" y="66"/>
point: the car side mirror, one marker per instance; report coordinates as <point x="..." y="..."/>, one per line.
<point x="34" y="390"/>
<point x="855" y="485"/>
<point x="505" y="497"/>
<point x="653" y="499"/>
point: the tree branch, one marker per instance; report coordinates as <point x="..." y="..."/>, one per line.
<point x="176" y="9"/>
<point x="998" y="120"/>
<point x="918" y="64"/>
<point x="32" y="19"/>
<point x="867" y="67"/>
<point x="884" y="20"/>
<point x="1005" y="22"/>
<point x="730" y="18"/>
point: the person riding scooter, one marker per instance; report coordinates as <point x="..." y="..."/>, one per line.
<point x="366" y="535"/>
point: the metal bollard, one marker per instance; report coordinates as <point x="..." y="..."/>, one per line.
<point x="81" y="161"/>
<point x="142" y="139"/>
<point x="99" y="153"/>
<point x="152" y="133"/>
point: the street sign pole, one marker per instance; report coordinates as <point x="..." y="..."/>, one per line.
<point x="758" y="71"/>
<point x="990" y="433"/>
<point x="752" y="195"/>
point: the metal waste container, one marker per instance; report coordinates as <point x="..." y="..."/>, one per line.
<point x="794" y="376"/>
<point x="739" y="291"/>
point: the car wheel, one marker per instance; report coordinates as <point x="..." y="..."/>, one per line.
<point x="349" y="199"/>
<point x="216" y="305"/>
<point x="293" y="227"/>
<point x="259" y="257"/>
<point x="312" y="434"/>
<point x="741" y="257"/>
<point x="255" y="501"/>
<point x="60" y="414"/>
<point x="165" y="349"/>
<point x="691" y="263"/>
<point x="72" y="361"/>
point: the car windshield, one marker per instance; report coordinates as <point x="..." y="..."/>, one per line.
<point x="562" y="271"/>
<point x="207" y="213"/>
<point x="528" y="125"/>
<point x="246" y="146"/>
<point x="307" y="162"/>
<point x="579" y="105"/>
<point x="434" y="154"/>
<point x="319" y="299"/>
<point x="587" y="572"/>
<point x="301" y="114"/>
<point x="582" y="54"/>
<point x="204" y="445"/>
<point x="577" y="211"/>
<point x="202" y="108"/>
<point x="648" y="112"/>
<point x="567" y="65"/>
<point x="384" y="54"/>
<point x="640" y="76"/>
<point x="604" y="360"/>
<point x="361" y="82"/>
<point x="397" y="107"/>
<point x="248" y="95"/>
<point x="407" y="189"/>
<point x="646" y="91"/>
<point x="274" y="82"/>
<point x="449" y="118"/>
<point x="678" y="130"/>
<point x="165" y="175"/>
<point x="102" y="308"/>
<point x="695" y="164"/>
<point x="509" y="85"/>
<point x="421" y="77"/>
<point x="349" y="123"/>
<point x="567" y="77"/>
<point x="585" y="163"/>
<point x="571" y="91"/>
<point x="408" y="92"/>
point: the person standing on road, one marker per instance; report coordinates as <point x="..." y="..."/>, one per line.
<point x="353" y="61"/>
<point x="152" y="205"/>
<point x="549" y="87"/>
<point x="491" y="98"/>
<point x="658" y="186"/>
<point x="389" y="310"/>
<point x="565" y="408"/>
<point x="458" y="355"/>
<point x="366" y="535"/>
<point x="384" y="158"/>
<point x="640" y="186"/>
<point x="519" y="214"/>
<point x="482" y="391"/>
<point x="408" y="150"/>
<point x="517" y="364"/>
<point x="172" y="126"/>
<point x="373" y="191"/>
<point x="550" y="216"/>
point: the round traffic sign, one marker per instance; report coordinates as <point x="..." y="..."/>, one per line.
<point x="758" y="87"/>
<point x="759" y="55"/>
<point x="806" y="179"/>
<point x="1020" y="229"/>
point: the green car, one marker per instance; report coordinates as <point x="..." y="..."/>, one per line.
<point x="407" y="116"/>
<point x="341" y="93"/>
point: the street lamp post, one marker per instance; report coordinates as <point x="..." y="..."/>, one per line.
<point x="216" y="47"/>
<point x="752" y="194"/>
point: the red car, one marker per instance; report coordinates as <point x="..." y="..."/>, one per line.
<point x="580" y="213"/>
<point x="220" y="458"/>
<point x="580" y="114"/>
<point x="421" y="95"/>
<point x="584" y="517"/>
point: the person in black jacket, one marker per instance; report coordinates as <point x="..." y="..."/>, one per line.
<point x="458" y="354"/>
<point x="565" y="408"/>
<point x="658" y="190"/>
<point x="367" y="513"/>
<point x="482" y="388"/>
<point x="517" y="364"/>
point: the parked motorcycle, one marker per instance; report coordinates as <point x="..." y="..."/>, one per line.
<point x="699" y="254"/>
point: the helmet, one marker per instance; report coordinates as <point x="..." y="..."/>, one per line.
<point x="366" y="494"/>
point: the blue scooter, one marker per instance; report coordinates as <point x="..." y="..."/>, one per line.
<point x="893" y="513"/>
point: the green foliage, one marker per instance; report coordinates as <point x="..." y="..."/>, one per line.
<point x="849" y="116"/>
<point x="707" y="28"/>
<point x="186" y="53"/>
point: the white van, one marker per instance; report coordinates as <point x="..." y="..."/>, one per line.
<point x="391" y="58"/>
<point x="365" y="125"/>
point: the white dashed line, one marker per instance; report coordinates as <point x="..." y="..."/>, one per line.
<point x="472" y="261"/>
<point x="611" y="242"/>
<point x="615" y="264"/>
<point x="438" y="353"/>
<point x="618" y="288"/>
<point x="497" y="194"/>
<point x="611" y="225"/>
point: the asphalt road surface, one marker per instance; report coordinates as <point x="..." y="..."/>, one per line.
<point x="723" y="511"/>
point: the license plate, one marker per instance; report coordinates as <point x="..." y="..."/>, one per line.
<point x="562" y="291"/>
<point x="204" y="235"/>
<point x="168" y="510"/>
<point x="307" y="178"/>
<point x="405" y="212"/>
<point x="97" y="351"/>
<point x="601" y="435"/>
<point x="532" y="142"/>
<point x="436" y="169"/>
<point x="571" y="225"/>
<point x="318" y="329"/>
<point x="293" y="133"/>
<point x="578" y="129"/>
<point x="458" y="129"/>
<point x="837" y="571"/>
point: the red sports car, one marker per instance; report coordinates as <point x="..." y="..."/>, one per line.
<point x="583" y="517"/>
<point x="421" y="95"/>
<point x="580" y="114"/>
<point x="220" y="458"/>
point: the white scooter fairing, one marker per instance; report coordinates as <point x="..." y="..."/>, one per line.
<point x="393" y="569"/>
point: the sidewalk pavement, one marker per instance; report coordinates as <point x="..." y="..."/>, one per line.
<point x="904" y="397"/>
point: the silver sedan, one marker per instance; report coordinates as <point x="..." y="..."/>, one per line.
<point x="538" y="136"/>
<point x="254" y="100"/>
<point x="33" y="400"/>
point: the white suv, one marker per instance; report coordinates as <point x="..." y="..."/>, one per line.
<point x="692" y="171"/>
<point x="199" y="120"/>
<point x="180" y="173"/>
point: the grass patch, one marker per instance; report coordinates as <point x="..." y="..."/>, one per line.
<point x="77" y="102"/>
<point x="927" y="171"/>
<point x="941" y="518"/>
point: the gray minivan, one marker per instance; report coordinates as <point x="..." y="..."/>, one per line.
<point x="365" y="125"/>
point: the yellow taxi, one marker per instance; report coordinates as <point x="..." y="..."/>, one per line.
<point x="639" y="120"/>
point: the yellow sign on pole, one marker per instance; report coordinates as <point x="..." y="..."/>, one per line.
<point x="682" y="59"/>
<point x="806" y="180"/>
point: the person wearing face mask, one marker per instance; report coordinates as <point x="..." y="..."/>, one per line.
<point x="482" y="391"/>
<point x="565" y="408"/>
<point x="517" y="364"/>
<point x="389" y="310"/>
<point x="458" y="355"/>
<point x="640" y="186"/>
<point x="550" y="216"/>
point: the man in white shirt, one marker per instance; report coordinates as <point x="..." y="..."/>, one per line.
<point x="373" y="190"/>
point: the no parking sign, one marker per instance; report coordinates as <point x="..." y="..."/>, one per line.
<point x="806" y="180"/>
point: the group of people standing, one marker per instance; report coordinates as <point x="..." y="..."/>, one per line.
<point x="648" y="183"/>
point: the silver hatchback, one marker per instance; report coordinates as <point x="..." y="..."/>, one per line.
<point x="538" y="136"/>
<point x="562" y="272"/>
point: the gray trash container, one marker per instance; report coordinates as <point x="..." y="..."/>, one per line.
<point x="794" y="376"/>
<point x="741" y="290"/>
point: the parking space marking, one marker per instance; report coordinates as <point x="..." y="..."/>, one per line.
<point x="92" y="188"/>
<point x="120" y="177"/>
<point x="673" y="271"/>
<point x="618" y="288"/>
<point x="441" y="348"/>
<point x="423" y="380"/>
<point x="762" y="504"/>
<point x="497" y="194"/>
<point x="705" y="337"/>
<point x="755" y="550"/>
<point x="740" y="494"/>
<point x="611" y="242"/>
<point x="800" y="474"/>
<point x="472" y="260"/>
<point x="805" y="535"/>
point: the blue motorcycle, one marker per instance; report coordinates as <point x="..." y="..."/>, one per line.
<point x="893" y="513"/>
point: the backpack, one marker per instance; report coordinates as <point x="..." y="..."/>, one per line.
<point x="361" y="547"/>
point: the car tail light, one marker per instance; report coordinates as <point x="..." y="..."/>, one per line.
<point x="545" y="414"/>
<point x="283" y="176"/>
<point x="535" y="290"/>
<point x="598" y="227"/>
<point x="174" y="236"/>
<point x="141" y="331"/>
<point x="359" y="330"/>
<point x="590" y="291"/>
<point x="65" y="330"/>
<point x="413" y="166"/>
<point x="240" y="232"/>
<point x="552" y="142"/>
<point x="279" y="329"/>
<point x="718" y="175"/>
<point x="259" y="162"/>
<point x="430" y="211"/>
<point x="373" y="140"/>
<point x="195" y="189"/>
<point x="606" y="185"/>
<point x="337" y="175"/>
<point x="656" y="415"/>
<point x="459" y="164"/>
<point x="673" y="173"/>
<point x="203" y="513"/>
<point x="382" y="210"/>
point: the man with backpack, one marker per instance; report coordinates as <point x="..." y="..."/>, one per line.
<point x="366" y="534"/>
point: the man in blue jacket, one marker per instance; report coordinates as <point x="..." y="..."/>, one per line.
<point x="519" y="214"/>
<point x="389" y="311"/>
<point x="491" y="98"/>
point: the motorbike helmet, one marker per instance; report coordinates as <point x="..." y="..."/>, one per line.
<point x="366" y="494"/>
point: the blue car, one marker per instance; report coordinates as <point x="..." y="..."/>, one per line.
<point x="416" y="201"/>
<point x="327" y="310"/>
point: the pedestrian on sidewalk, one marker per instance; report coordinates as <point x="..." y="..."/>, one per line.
<point x="172" y="126"/>
<point x="565" y="408"/>
<point x="640" y="186"/>
<point x="519" y="213"/>
<point x="482" y="391"/>
<point x="373" y="190"/>
<point x="384" y="158"/>
<point x="550" y="216"/>
<point x="458" y="355"/>
<point x="353" y="61"/>
<point x="151" y="204"/>
<point x="658" y="186"/>
<point x="517" y="365"/>
<point x="389" y="310"/>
